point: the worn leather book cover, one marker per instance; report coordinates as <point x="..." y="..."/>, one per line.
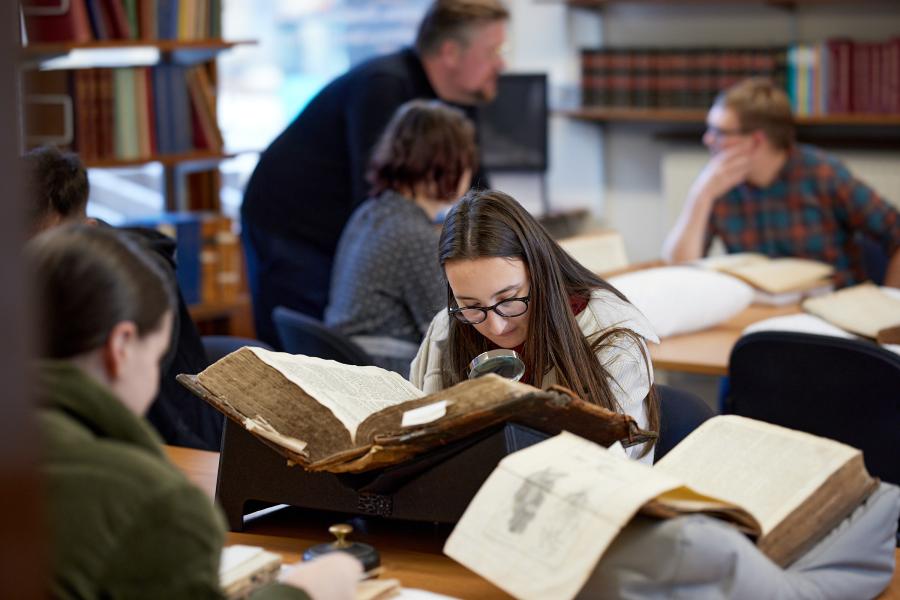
<point x="326" y="416"/>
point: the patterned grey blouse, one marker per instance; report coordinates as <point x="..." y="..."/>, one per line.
<point x="387" y="284"/>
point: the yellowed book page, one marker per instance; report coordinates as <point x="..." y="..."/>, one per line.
<point x="351" y="393"/>
<point x="783" y="274"/>
<point x="862" y="309"/>
<point x="766" y="469"/>
<point x="731" y="261"/>
<point x="598" y="252"/>
<point x="541" y="521"/>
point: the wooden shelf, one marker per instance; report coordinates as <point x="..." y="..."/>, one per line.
<point x="692" y="116"/>
<point x="161" y="45"/>
<point x="167" y="160"/>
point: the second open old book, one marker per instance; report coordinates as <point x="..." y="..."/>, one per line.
<point x="327" y="416"/>
<point x="775" y="278"/>
<point x="558" y="505"/>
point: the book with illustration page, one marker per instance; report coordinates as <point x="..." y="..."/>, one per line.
<point x="558" y="505"/>
<point x="327" y="416"/>
<point x="864" y="309"/>
<point x="775" y="276"/>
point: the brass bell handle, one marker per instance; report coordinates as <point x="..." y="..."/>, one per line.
<point x="340" y="531"/>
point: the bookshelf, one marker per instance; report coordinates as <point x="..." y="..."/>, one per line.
<point x="842" y="81"/>
<point x="50" y="49"/>
<point x="167" y="160"/>
<point x="698" y="117"/>
<point x="135" y="113"/>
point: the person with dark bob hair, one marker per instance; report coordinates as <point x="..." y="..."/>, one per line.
<point x="511" y="286"/>
<point x="387" y="283"/>
<point x="122" y="521"/>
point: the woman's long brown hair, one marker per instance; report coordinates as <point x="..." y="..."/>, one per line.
<point x="489" y="223"/>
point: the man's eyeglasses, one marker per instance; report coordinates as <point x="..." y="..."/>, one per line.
<point x="718" y="132"/>
<point x="473" y="315"/>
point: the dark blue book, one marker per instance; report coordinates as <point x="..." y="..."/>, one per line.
<point x="167" y="19"/>
<point x="98" y="22"/>
<point x="163" y="108"/>
<point x="182" y="131"/>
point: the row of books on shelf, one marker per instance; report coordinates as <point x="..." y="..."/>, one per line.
<point x="208" y="254"/>
<point x="670" y="77"/>
<point x="81" y="21"/>
<point x="125" y="113"/>
<point x="837" y="76"/>
<point x="843" y="76"/>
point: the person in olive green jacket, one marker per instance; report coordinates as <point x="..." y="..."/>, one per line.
<point x="123" y="522"/>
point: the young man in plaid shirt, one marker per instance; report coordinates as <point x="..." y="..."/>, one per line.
<point x="762" y="192"/>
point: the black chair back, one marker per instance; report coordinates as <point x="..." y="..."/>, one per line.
<point x="844" y="389"/>
<point x="680" y="412"/>
<point x="302" y="334"/>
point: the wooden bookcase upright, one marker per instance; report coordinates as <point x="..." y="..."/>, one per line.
<point x="184" y="173"/>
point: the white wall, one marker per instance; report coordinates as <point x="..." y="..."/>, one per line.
<point x="617" y="170"/>
<point x="545" y="37"/>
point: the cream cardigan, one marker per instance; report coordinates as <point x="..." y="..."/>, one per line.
<point x="622" y="356"/>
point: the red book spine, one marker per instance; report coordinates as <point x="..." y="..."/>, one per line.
<point x="42" y="24"/>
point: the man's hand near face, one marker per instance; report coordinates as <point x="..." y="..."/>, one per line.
<point x="728" y="167"/>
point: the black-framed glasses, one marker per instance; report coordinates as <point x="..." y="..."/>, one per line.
<point x="718" y="132"/>
<point x="473" y="315"/>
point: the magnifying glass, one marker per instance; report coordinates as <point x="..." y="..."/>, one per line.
<point x="503" y="362"/>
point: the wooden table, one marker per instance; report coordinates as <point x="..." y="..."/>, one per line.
<point x="707" y="352"/>
<point x="410" y="552"/>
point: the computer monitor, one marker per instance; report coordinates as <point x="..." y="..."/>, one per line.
<point x="513" y="127"/>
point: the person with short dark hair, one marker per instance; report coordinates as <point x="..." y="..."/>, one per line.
<point x="387" y="284"/>
<point x="122" y="520"/>
<point x="510" y="285"/>
<point x="310" y="179"/>
<point x="763" y="192"/>
<point x="57" y="184"/>
<point x="57" y="188"/>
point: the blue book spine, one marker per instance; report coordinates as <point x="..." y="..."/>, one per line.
<point x="182" y="131"/>
<point x="167" y="19"/>
<point x="187" y="259"/>
<point x="162" y="106"/>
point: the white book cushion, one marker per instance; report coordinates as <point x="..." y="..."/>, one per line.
<point x="684" y="299"/>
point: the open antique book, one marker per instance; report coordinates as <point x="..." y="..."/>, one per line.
<point x="558" y="505"/>
<point x="779" y="280"/>
<point x="327" y="416"/>
<point x="862" y="309"/>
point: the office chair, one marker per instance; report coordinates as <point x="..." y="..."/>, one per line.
<point x="680" y="412"/>
<point x="844" y="389"/>
<point x="302" y="334"/>
<point x="218" y="346"/>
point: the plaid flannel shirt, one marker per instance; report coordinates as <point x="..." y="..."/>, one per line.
<point x="814" y="209"/>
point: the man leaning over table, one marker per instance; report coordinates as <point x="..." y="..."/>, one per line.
<point x="763" y="192"/>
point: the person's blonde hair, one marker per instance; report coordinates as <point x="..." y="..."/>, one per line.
<point x="454" y="19"/>
<point x="760" y="105"/>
